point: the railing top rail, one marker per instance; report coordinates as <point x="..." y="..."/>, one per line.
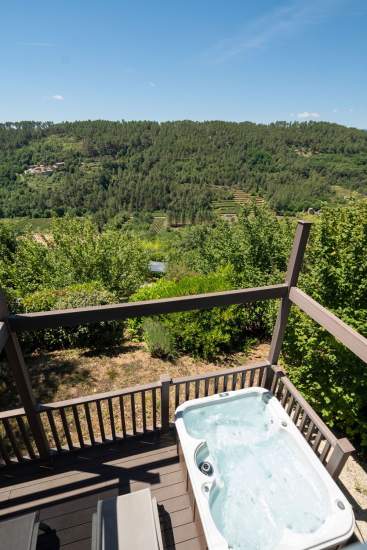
<point x="112" y="312"/>
<point x="221" y="372"/>
<point x="354" y="341"/>
<point x="12" y="413"/>
<point x="98" y="396"/>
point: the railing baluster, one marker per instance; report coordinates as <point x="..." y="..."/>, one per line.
<point x="310" y="429"/>
<point x="197" y="388"/>
<point x="206" y="387"/>
<point x="13" y="441"/>
<point x="284" y="398"/>
<point x="316" y="443"/>
<point x="243" y="379"/>
<point x="25" y="436"/>
<point x="187" y="391"/>
<point x="100" y="420"/>
<point x="280" y="389"/>
<point x="225" y="382"/>
<point x="144" y="412"/>
<point x="234" y="381"/>
<point x="66" y="428"/>
<point x="122" y="413"/>
<point x="177" y="395"/>
<point x="297" y="413"/>
<point x="89" y="424"/>
<point x="263" y="376"/>
<point x="274" y="383"/>
<point x="4" y="453"/>
<point x="290" y="406"/>
<point x="133" y="412"/>
<point x="252" y="377"/>
<point x="154" y="402"/>
<point x="305" y="418"/>
<point x="55" y="435"/>
<point x="325" y="452"/>
<point x="216" y="381"/>
<point x="112" y="420"/>
<point x="77" y="424"/>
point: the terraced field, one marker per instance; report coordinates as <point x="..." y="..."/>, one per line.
<point x="231" y="207"/>
<point x="159" y="223"/>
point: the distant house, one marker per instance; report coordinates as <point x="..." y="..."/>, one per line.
<point x="43" y="169"/>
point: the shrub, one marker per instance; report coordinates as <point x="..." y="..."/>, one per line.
<point x="158" y="339"/>
<point x="205" y="333"/>
<point x="333" y="379"/>
<point x="94" y="335"/>
<point x="76" y="252"/>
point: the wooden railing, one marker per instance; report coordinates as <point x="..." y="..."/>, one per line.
<point x="43" y="430"/>
<point x="94" y="420"/>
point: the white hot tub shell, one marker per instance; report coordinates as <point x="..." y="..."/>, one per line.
<point x="256" y="482"/>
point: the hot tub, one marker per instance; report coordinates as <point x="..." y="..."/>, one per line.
<point x="256" y="482"/>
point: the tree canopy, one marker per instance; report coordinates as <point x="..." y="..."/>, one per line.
<point x="175" y="167"/>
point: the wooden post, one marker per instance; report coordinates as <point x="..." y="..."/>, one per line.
<point x="294" y="267"/>
<point x="342" y="450"/>
<point x="165" y="386"/>
<point x="23" y="383"/>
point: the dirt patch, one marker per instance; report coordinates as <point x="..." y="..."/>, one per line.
<point x="353" y="482"/>
<point x="66" y="374"/>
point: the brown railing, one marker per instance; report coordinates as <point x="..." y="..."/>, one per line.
<point x="44" y="430"/>
<point x="88" y="421"/>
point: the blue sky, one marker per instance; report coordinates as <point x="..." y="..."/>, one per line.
<point x="260" y="60"/>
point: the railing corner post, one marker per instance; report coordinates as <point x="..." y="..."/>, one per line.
<point x="293" y="270"/>
<point x="165" y="386"/>
<point x="340" y="454"/>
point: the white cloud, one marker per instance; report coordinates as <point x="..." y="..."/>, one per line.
<point x="335" y="110"/>
<point x="308" y="114"/>
<point x="152" y="84"/>
<point x="58" y="97"/>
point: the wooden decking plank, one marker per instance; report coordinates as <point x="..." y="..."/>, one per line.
<point x="185" y="532"/>
<point x="166" y="493"/>
<point x="177" y="518"/>
<point x="177" y="503"/>
<point x="69" y="520"/>
<point x="63" y="467"/>
<point x="121" y="473"/>
<point x="198" y="543"/>
<point x="162" y="484"/>
<point x="67" y="493"/>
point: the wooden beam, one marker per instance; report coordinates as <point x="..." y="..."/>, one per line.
<point x="354" y="341"/>
<point x="294" y="268"/>
<point x="80" y="316"/>
<point x="23" y="383"/>
<point x="165" y="387"/>
<point x="4" y="335"/>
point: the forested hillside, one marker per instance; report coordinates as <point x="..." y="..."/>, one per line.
<point x="179" y="168"/>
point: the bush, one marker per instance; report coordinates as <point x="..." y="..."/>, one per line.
<point x="206" y="333"/>
<point x="333" y="379"/>
<point x="95" y="335"/>
<point x="76" y="252"/>
<point x="158" y="339"/>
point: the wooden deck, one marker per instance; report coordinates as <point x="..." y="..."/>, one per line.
<point x="66" y="492"/>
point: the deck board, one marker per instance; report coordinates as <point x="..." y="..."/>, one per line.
<point x="66" y="492"/>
